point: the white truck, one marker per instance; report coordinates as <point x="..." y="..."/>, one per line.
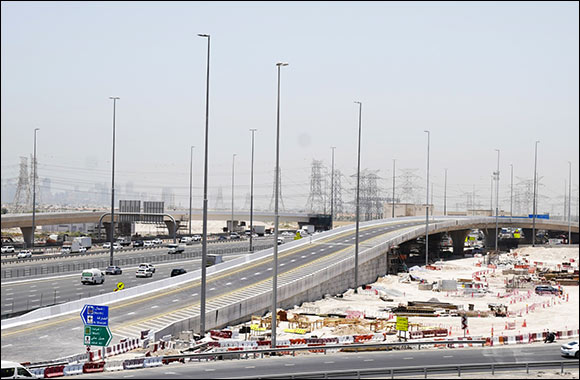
<point x="260" y="230"/>
<point x="80" y="244"/>
<point x="176" y="248"/>
<point x="309" y="228"/>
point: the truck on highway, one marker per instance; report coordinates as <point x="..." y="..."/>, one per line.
<point x="176" y="248"/>
<point x="308" y="228"/>
<point x="84" y="241"/>
<point x="259" y="230"/>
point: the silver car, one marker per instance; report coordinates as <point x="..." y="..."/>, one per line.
<point x="570" y="349"/>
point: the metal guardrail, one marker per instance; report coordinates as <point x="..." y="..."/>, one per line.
<point x="424" y="370"/>
<point x="361" y="346"/>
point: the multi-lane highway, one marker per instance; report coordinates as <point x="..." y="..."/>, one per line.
<point x="37" y="340"/>
<point x="288" y="365"/>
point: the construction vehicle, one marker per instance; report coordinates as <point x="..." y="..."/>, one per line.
<point x="500" y="310"/>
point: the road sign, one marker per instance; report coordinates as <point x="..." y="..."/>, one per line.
<point x="464" y="322"/>
<point x="402" y="324"/>
<point x="95" y="315"/>
<point x="120" y="286"/>
<point x="97" y="336"/>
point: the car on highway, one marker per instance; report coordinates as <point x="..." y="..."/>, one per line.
<point x="280" y="240"/>
<point x="138" y="243"/>
<point x="107" y="245"/>
<point x="24" y="254"/>
<point x="82" y="249"/>
<point x="176" y="248"/>
<point x="113" y="269"/>
<point x="147" y="243"/>
<point x="147" y="266"/>
<point x="177" y="272"/>
<point x="7" y="249"/>
<point x="157" y="241"/>
<point x="234" y="236"/>
<point x="117" y="246"/>
<point x="65" y="250"/>
<point x="570" y="349"/>
<point x="196" y="237"/>
<point x="92" y="276"/>
<point x="142" y="272"/>
<point x="222" y="238"/>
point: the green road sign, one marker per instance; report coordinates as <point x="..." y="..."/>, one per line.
<point x="97" y="336"/>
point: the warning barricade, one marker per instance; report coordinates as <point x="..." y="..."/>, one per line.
<point x="94" y="367"/>
<point x="73" y="369"/>
<point x="54" y="371"/>
<point x="153" y="362"/>
<point x="133" y="363"/>
<point x="114" y="365"/>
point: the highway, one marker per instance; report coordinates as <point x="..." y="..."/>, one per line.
<point x="288" y="365"/>
<point x="36" y="341"/>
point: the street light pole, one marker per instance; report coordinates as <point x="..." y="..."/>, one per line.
<point x="511" y="189"/>
<point x="496" y="200"/>
<point x="445" y="196"/>
<point x="534" y="206"/>
<point x="357" y="199"/>
<point x="204" y="236"/>
<point x="427" y="204"/>
<point x="233" y="170"/>
<point x="34" y="174"/>
<point x="332" y="189"/>
<point x="115" y="98"/>
<point x="275" y="271"/>
<point x="190" y="185"/>
<point x="252" y="194"/>
<point x="393" y="208"/>
<point x="569" y="202"/>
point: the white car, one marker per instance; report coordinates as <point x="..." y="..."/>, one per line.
<point x="65" y="250"/>
<point x="117" y="246"/>
<point x="141" y="272"/>
<point x="7" y="249"/>
<point x="24" y="254"/>
<point x="147" y="266"/>
<point x="106" y="245"/>
<point x="157" y="241"/>
<point x="147" y="243"/>
<point x="570" y="349"/>
<point x="82" y="249"/>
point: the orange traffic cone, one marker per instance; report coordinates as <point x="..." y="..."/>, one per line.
<point x="524" y="324"/>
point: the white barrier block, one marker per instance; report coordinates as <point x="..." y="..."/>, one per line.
<point x="73" y="369"/>
<point x="153" y="362"/>
<point x="114" y="365"/>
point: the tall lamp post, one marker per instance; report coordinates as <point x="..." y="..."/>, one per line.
<point x="569" y="202"/>
<point x="114" y="98"/>
<point x="427" y="204"/>
<point x="534" y="205"/>
<point x="511" y="189"/>
<point x="332" y="189"/>
<point x="190" y="185"/>
<point x="357" y="199"/>
<point x="204" y="237"/>
<point x="252" y="194"/>
<point x="275" y="271"/>
<point x="393" y="208"/>
<point x="34" y="174"/>
<point x="233" y="170"/>
<point x="496" y="174"/>
<point x="445" y="195"/>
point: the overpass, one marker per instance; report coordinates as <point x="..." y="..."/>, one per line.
<point x="240" y="288"/>
<point x="24" y="221"/>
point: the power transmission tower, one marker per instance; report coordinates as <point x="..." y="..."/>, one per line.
<point x="22" y="197"/>
<point x="247" y="202"/>
<point x="280" y="200"/>
<point x="337" y="196"/>
<point x="34" y="178"/>
<point x="315" y="202"/>
<point x="408" y="185"/>
<point x="219" y="202"/>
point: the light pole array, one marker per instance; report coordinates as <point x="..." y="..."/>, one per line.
<point x="252" y="194"/>
<point x="204" y="237"/>
<point x="427" y="203"/>
<point x="34" y="174"/>
<point x="190" y="185"/>
<point x="357" y="199"/>
<point x="233" y="170"/>
<point x="534" y="206"/>
<point x="275" y="271"/>
<point x="496" y="200"/>
<point x="114" y="98"/>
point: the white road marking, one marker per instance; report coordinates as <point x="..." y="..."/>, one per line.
<point x="8" y="299"/>
<point x="248" y="367"/>
<point x="303" y="256"/>
<point x="369" y="360"/>
<point x="289" y="365"/>
<point x="131" y="313"/>
<point x="33" y="286"/>
<point x="76" y="328"/>
<point x="257" y="274"/>
<point x="282" y="264"/>
<point x="407" y="358"/>
<point x="42" y="337"/>
<point x="194" y="294"/>
<point x="175" y="300"/>
<point x="34" y="300"/>
<point x="448" y="356"/>
<point x="228" y="283"/>
<point x="328" y="362"/>
<point x="212" y="289"/>
<point x="210" y="369"/>
<point x="269" y="268"/>
<point x="292" y="260"/>
<point x="8" y="345"/>
<point x="154" y="307"/>
<point x="171" y="373"/>
<point x="243" y="278"/>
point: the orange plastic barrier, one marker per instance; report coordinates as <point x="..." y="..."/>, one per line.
<point x="54" y="371"/>
<point x="90" y="367"/>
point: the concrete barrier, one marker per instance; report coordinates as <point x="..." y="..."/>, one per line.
<point x="73" y="369"/>
<point x="155" y="361"/>
<point x="114" y="365"/>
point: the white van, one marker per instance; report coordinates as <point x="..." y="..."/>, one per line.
<point x="92" y="276"/>
<point x="12" y="370"/>
<point x="176" y="248"/>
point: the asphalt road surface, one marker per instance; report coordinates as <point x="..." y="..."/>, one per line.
<point x="36" y="341"/>
<point x="288" y="365"/>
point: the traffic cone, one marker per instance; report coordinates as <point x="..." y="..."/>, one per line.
<point x="467" y="332"/>
<point x="524" y="324"/>
<point x="505" y="328"/>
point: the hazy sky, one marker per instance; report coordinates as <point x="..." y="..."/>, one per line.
<point x="479" y="76"/>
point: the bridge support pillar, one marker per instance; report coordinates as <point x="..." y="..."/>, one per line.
<point x="172" y="227"/>
<point x="489" y="237"/>
<point x="574" y="238"/>
<point x="458" y="238"/>
<point x="107" y="228"/>
<point x="27" y="235"/>
<point x="527" y="239"/>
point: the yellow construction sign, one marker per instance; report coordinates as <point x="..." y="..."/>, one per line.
<point x="402" y="324"/>
<point x="297" y="236"/>
<point x="296" y="331"/>
<point x="257" y="328"/>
